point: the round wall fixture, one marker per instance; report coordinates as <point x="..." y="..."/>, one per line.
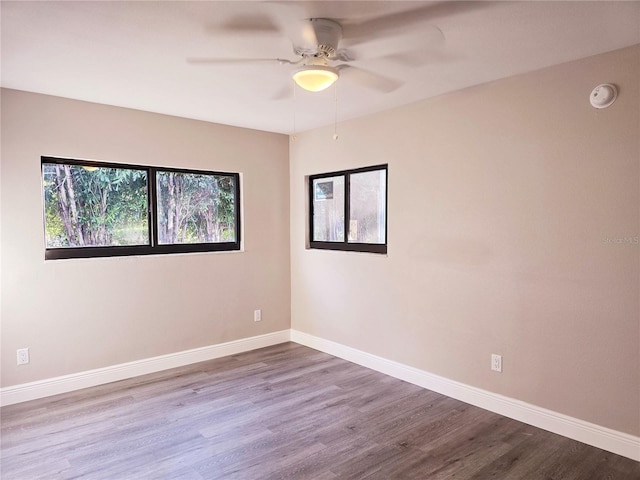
<point x="603" y="95"/>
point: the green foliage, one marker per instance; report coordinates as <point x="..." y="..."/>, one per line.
<point x="95" y="207"/>
<point x="108" y="206"/>
<point x="195" y="208"/>
<point x="55" y="232"/>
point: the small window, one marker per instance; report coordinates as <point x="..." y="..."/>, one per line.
<point x="349" y="210"/>
<point x="195" y="208"/>
<point x="90" y="206"/>
<point x="96" y="209"/>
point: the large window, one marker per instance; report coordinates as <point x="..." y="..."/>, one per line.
<point x="349" y="210"/>
<point x="96" y="209"/>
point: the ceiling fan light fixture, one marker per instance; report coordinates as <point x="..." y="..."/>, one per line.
<point x="315" y="78"/>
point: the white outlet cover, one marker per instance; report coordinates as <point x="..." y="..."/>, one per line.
<point x="496" y="363"/>
<point x="22" y="355"/>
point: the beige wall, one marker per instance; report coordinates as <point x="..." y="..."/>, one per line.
<point x="500" y="198"/>
<point x="76" y="315"/>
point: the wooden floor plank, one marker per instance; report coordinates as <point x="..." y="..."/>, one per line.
<point x="282" y="412"/>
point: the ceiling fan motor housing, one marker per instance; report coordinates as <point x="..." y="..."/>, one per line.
<point x="328" y="34"/>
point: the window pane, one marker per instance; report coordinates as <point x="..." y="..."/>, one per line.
<point x="328" y="209"/>
<point x="94" y="206"/>
<point x="195" y="208"/>
<point x="367" y="207"/>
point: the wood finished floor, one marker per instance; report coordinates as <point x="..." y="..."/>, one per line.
<point x="285" y="411"/>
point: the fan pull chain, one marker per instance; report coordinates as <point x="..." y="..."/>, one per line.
<point x="294" y="137"/>
<point x="335" y="117"/>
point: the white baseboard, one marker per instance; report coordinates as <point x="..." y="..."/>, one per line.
<point x="76" y="381"/>
<point x="601" y="437"/>
<point x="607" y="439"/>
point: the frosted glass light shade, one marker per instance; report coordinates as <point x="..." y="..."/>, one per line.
<point x="315" y="78"/>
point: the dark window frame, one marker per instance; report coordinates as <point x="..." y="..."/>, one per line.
<point x="345" y="245"/>
<point x="154" y="248"/>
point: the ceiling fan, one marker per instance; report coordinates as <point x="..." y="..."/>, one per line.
<point x="317" y="44"/>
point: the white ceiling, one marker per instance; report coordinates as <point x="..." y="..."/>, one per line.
<point x="134" y="54"/>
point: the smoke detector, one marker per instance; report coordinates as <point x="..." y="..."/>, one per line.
<point x="603" y="95"/>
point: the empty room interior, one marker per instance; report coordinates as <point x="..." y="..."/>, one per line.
<point x="314" y="240"/>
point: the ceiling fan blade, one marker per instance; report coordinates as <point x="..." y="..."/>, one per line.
<point x="344" y="55"/>
<point x="284" y="93"/>
<point x="253" y="24"/>
<point x="369" y="79"/>
<point x="428" y="37"/>
<point x="285" y="19"/>
<point x="302" y="35"/>
<point x="418" y="58"/>
<point x="361" y="31"/>
<point x="293" y="20"/>
<point x="236" y="61"/>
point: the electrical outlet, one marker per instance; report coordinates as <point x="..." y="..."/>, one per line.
<point x="22" y="356"/>
<point x="496" y="362"/>
<point x="257" y="315"/>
